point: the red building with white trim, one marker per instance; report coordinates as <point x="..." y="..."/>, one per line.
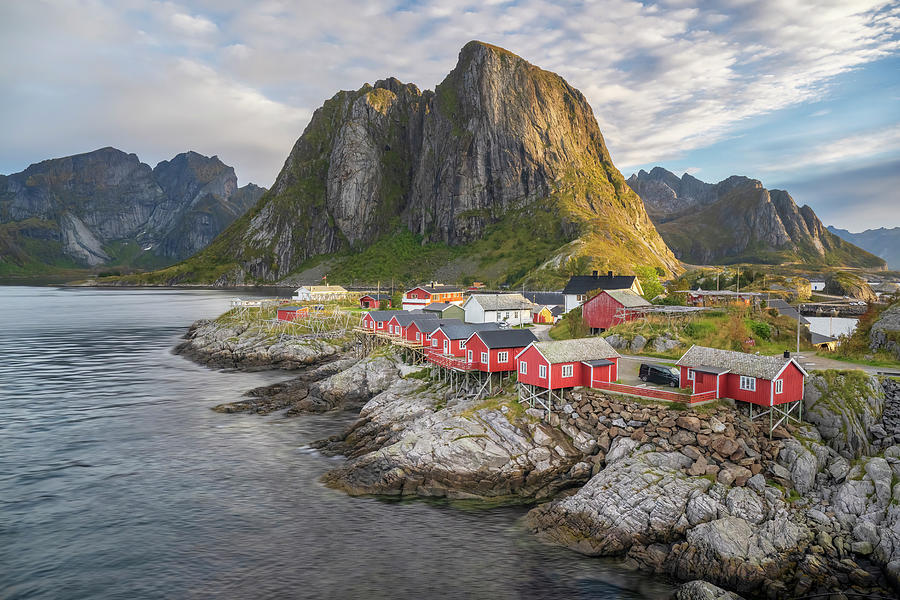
<point x="292" y="313"/>
<point x="423" y="295"/>
<point x="494" y="351"/>
<point x="760" y="380"/>
<point x="375" y="301"/>
<point x="377" y="320"/>
<point x="568" y="363"/>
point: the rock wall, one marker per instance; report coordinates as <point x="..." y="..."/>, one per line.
<point x="844" y="406"/>
<point x="885" y="332"/>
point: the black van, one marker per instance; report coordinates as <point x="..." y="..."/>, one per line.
<point x="660" y="374"/>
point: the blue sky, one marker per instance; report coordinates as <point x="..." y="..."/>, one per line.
<point x="803" y="95"/>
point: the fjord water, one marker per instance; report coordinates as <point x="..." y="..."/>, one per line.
<point x="118" y="481"/>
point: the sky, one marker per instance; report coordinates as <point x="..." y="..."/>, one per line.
<point x="802" y="95"/>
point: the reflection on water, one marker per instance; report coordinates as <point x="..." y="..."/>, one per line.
<point x="117" y="481"/>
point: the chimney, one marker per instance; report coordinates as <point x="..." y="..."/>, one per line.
<point x="787" y="353"/>
<point x="594" y="274"/>
<point x="609" y="273"/>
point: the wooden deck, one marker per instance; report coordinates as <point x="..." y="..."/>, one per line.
<point x="456" y="363"/>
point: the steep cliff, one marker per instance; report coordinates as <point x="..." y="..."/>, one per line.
<point x="500" y="149"/>
<point x="738" y="220"/>
<point x="106" y="207"/>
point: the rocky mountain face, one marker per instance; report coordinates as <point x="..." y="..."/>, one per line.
<point x="94" y="209"/>
<point x="738" y="220"/>
<point x="498" y="142"/>
<point x="881" y="242"/>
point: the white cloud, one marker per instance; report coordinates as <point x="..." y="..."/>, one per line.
<point x="225" y="75"/>
<point x="840" y="150"/>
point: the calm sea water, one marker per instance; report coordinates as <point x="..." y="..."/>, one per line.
<point x="118" y="481"/>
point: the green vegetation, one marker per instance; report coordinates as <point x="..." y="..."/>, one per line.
<point x="570" y="326"/>
<point x="855" y="347"/>
<point x="650" y="283"/>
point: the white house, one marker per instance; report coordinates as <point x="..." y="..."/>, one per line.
<point x="319" y="293"/>
<point x="513" y="309"/>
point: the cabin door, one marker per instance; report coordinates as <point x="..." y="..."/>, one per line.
<point x="446" y="347"/>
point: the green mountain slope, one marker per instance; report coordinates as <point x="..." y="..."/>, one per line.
<point x="500" y="173"/>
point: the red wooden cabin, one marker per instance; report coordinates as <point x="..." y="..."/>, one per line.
<point x="761" y="380"/>
<point x="494" y="351"/>
<point x="606" y="309"/>
<point x="422" y="326"/>
<point x="423" y="295"/>
<point x="377" y="320"/>
<point x="375" y="301"/>
<point x="568" y="363"/>
<point x="450" y="338"/>
<point x="292" y="313"/>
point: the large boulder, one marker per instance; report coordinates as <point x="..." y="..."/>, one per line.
<point x="360" y="382"/>
<point x="885" y="332"/>
<point x="844" y="406"/>
<point x="703" y="590"/>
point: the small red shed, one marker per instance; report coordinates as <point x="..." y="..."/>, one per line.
<point x="375" y="301"/>
<point x="568" y="363"/>
<point x="494" y="351"/>
<point x="754" y="378"/>
<point x="607" y="309"/>
<point x="292" y="313"/>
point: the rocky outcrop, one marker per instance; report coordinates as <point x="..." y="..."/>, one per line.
<point x="406" y="443"/>
<point x="844" y="406"/>
<point x="849" y="285"/>
<point x="738" y="220"/>
<point x="703" y="590"/>
<point x="235" y="345"/>
<point x="497" y="139"/>
<point x="885" y="332"/>
<point x="88" y="201"/>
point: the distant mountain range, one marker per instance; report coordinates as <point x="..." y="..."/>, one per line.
<point x="880" y="242"/>
<point x="106" y="208"/>
<point x="499" y="174"/>
<point x="738" y="220"/>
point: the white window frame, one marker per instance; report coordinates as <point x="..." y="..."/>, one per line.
<point x="690" y="375"/>
<point x="418" y="337"/>
<point x="434" y="342"/>
<point x="503" y="357"/>
<point x="542" y="371"/>
<point x="748" y="384"/>
<point x="779" y="386"/>
<point x="462" y="344"/>
<point x="484" y="358"/>
<point x="523" y="367"/>
<point x="567" y="371"/>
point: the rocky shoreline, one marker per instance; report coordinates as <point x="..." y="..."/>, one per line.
<point x="694" y="494"/>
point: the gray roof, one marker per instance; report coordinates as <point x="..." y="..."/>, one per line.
<point x="545" y="298"/>
<point x="377" y="296"/>
<point x="582" y="284"/>
<point x="627" y="298"/>
<point x="506" y="338"/>
<point x="599" y="362"/>
<point x="740" y="363"/>
<point x="557" y="310"/>
<point x="576" y="350"/>
<point x="462" y="331"/>
<point x="385" y="315"/>
<point x="437" y="306"/>
<point x="818" y="338"/>
<point x="786" y="310"/>
<point x="501" y="301"/>
<point x="713" y="370"/>
<point x="432" y="325"/>
<point x="405" y="319"/>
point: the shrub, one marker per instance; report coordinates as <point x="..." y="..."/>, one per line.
<point x="759" y="329"/>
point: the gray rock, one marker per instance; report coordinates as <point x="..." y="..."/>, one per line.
<point x="845" y="426"/>
<point x="757" y="483"/>
<point x="638" y="343"/>
<point x="703" y="590"/>
<point x="745" y="504"/>
<point x="619" y="449"/>
<point x="801" y="463"/>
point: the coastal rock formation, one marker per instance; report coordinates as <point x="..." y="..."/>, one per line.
<point x="106" y="207"/>
<point x="844" y="406"/>
<point x="498" y="145"/>
<point x="406" y="444"/>
<point x="234" y="345"/>
<point x="703" y="590"/>
<point x="738" y="220"/>
<point x="849" y="285"/>
<point x="885" y="332"/>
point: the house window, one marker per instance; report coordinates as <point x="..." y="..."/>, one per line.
<point x="523" y="367"/>
<point x="542" y="371"/>
<point x="484" y="357"/>
<point x="433" y="343"/>
<point x="507" y="315"/>
<point x="748" y="383"/>
<point x="462" y="344"/>
<point x="418" y="337"/>
<point x="690" y="375"/>
<point x="503" y="357"/>
<point x="567" y="370"/>
<point x="779" y="386"/>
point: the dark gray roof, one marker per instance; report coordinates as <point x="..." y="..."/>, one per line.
<point x="818" y="338"/>
<point x="582" y="284"/>
<point x="713" y="370"/>
<point x="599" y="362"/>
<point x="385" y="315"/>
<point x="576" y="350"/>
<point x="741" y="363"/>
<point x="289" y="307"/>
<point x="786" y="310"/>
<point x="545" y="298"/>
<point x="377" y="296"/>
<point x="437" y="306"/>
<point x="437" y="289"/>
<point x="512" y="301"/>
<point x="405" y="319"/>
<point x="506" y="338"/>
<point x="557" y="310"/>
<point x="432" y="325"/>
